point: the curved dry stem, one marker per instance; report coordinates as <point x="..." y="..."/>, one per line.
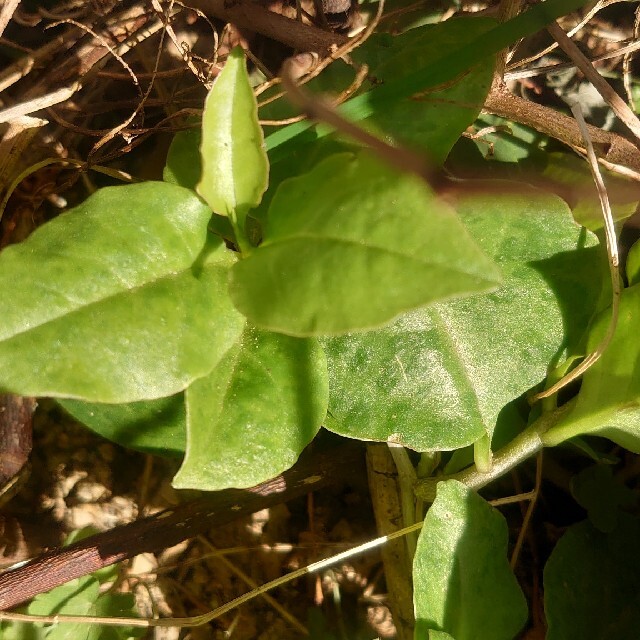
<point x="602" y="4"/>
<point x="613" y="259"/>
<point x="197" y="621"/>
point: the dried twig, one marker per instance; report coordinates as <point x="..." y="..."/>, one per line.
<point x="6" y="12"/>
<point x="249" y="15"/>
<point x="609" y="147"/>
<point x="614" y="265"/>
<point x="619" y="106"/>
<point x="169" y="527"/>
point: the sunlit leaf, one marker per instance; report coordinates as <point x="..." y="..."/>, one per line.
<point x="462" y="581"/>
<point x="234" y="162"/>
<point x="439" y="377"/>
<point x="118" y="300"/>
<point x="351" y="245"/>
<point x="609" y="400"/>
<point x="250" y="418"/>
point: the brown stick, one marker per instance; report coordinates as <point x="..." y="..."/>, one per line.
<point x="170" y="527"/>
<point x="250" y="15"/>
<point x="609" y="146"/>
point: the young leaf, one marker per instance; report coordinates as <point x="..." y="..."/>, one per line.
<point x="439" y="377"/>
<point x="608" y="404"/>
<point x="152" y="426"/>
<point x="463" y="584"/>
<point x="105" y="303"/>
<point x="250" y="418"/>
<point x="234" y="162"/>
<point x="592" y="583"/>
<point x="349" y="246"/>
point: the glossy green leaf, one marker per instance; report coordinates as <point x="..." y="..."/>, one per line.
<point x="608" y="404"/>
<point x="153" y="426"/>
<point x="351" y="245"/>
<point x="433" y="120"/>
<point x="592" y="583"/>
<point x="234" y="163"/>
<point x="462" y="581"/>
<point x="250" y="418"/>
<point x="184" y="167"/>
<point x="117" y="300"/>
<point x="438" y="378"/>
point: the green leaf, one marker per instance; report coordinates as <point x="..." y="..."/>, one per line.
<point x="250" y="418"/>
<point x="440" y="69"/>
<point x="463" y="584"/>
<point x="601" y="495"/>
<point x="118" y="300"/>
<point x="184" y="164"/>
<point x="569" y="173"/>
<point x="234" y="163"/>
<point x="592" y="583"/>
<point x="509" y="142"/>
<point x="633" y="264"/>
<point x="434" y="120"/>
<point x="80" y="597"/>
<point x="608" y="404"/>
<point x="439" y="377"/>
<point x="152" y="426"/>
<point x="351" y="245"/>
<point x="437" y="635"/>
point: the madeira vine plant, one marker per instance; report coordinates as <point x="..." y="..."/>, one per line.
<point x="270" y="287"/>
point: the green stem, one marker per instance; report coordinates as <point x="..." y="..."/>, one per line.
<point x="523" y="446"/>
<point x="406" y="481"/>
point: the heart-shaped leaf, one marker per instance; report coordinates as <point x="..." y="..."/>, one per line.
<point x="250" y="418"/>
<point x="351" y="245"/>
<point x="439" y="377"/>
<point x="117" y="300"/>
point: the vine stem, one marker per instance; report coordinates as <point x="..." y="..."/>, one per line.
<point x="523" y="446"/>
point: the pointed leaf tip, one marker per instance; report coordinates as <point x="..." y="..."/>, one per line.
<point x="235" y="168"/>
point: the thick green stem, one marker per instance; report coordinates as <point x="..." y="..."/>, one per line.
<point x="519" y="449"/>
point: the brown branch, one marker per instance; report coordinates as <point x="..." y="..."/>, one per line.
<point x="250" y="15"/>
<point x="609" y="147"/>
<point x="170" y="527"/>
